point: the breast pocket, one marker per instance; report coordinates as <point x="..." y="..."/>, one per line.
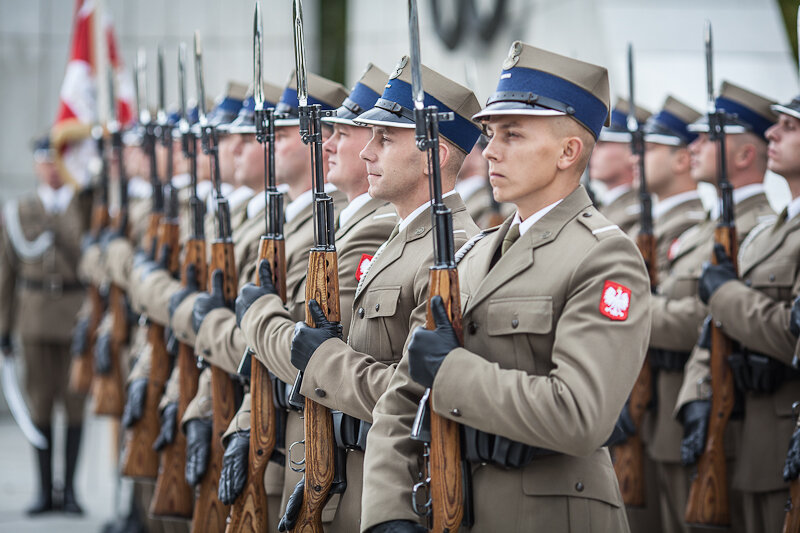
<point x="516" y="327"/>
<point x="382" y="329"/>
<point x="775" y="278"/>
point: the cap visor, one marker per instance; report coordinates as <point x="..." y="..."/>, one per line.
<point x="610" y="136"/>
<point x="785" y="110"/>
<point x="287" y="122"/>
<point x="380" y="117"/>
<point x="668" y="140"/>
<point x="513" y="108"/>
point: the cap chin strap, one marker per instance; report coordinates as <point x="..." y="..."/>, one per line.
<point x="394" y="107"/>
<point x="530" y="99"/>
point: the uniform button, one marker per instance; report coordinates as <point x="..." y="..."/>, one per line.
<point x="772" y="277"/>
<point x="207" y="352"/>
<point x="579" y="486"/>
<point x="472" y="327"/>
<point x="319" y="392"/>
<point x="587" y="215"/>
<point x="377" y="307"/>
<point x="514" y="323"/>
<point x="360" y="312"/>
<point x="455" y="412"/>
<point x="748" y="282"/>
<point x="717" y="324"/>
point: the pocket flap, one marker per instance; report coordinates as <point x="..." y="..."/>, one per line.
<point x="520" y="315"/>
<point x="581" y="477"/>
<point x="381" y="301"/>
<point x="777" y="275"/>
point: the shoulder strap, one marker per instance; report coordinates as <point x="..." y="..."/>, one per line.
<point x="25" y="249"/>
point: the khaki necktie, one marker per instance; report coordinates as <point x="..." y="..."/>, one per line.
<point x="510" y="238"/>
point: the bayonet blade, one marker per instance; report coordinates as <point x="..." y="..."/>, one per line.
<point x="141" y="65"/>
<point x="198" y="71"/>
<point x="709" y="67"/>
<point x="161" y="114"/>
<point x="300" y="53"/>
<point x="112" y="100"/>
<point x="417" y="90"/>
<point x="258" y="86"/>
<point x="16" y="404"/>
<point x="183" y="124"/>
<point x="633" y="123"/>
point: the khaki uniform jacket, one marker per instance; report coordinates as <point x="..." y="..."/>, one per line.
<point x="544" y="366"/>
<point x="755" y="312"/>
<point x="30" y="299"/>
<point x="677" y="315"/>
<point x="624" y="211"/>
<point x="119" y="254"/>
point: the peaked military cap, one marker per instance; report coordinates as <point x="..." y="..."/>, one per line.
<point x="395" y="107"/>
<point x="362" y="97"/>
<point x="745" y="111"/>
<point x="541" y="83"/>
<point x="791" y="109"/>
<point x="670" y="125"/>
<point x="228" y="105"/>
<point x="42" y="149"/>
<point x="322" y="91"/>
<point x="245" y="122"/>
<point x="617" y="129"/>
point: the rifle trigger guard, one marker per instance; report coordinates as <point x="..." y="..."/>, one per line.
<point x="425" y="509"/>
<point x="297" y="466"/>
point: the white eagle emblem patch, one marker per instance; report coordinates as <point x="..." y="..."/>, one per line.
<point x="615" y="301"/>
<point x="363" y="266"/>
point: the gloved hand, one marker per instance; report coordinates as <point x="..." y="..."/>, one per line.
<point x="198" y="449"/>
<point x="252" y="292"/>
<point x="5" y="345"/>
<point x="206" y="302"/>
<point x="623" y="429"/>
<point x="134" y="406"/>
<point x="306" y="339"/>
<point x="398" y="526"/>
<point x="293" y="506"/>
<point x="234" y="467"/>
<point x="794" y="318"/>
<point x="155" y="264"/>
<point x="102" y="354"/>
<point x="694" y="417"/>
<point x="80" y="338"/>
<point x="714" y="276"/>
<point x="704" y="341"/>
<point x="792" y="466"/>
<point x="110" y="234"/>
<point x="169" y="421"/>
<point x="428" y="348"/>
<point x="181" y="294"/>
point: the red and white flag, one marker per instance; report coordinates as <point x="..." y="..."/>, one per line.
<point x="78" y="98"/>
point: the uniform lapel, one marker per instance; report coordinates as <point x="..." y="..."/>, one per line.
<point x="777" y="235"/>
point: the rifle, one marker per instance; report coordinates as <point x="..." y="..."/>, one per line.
<point x="708" y="496"/>
<point x="210" y="514"/>
<point x="791" y="523"/>
<point x="140" y="459"/>
<point x="107" y="390"/>
<point x="629" y="456"/>
<point x="322" y="285"/>
<point x="81" y="371"/>
<point x="249" y="511"/>
<point x="173" y="497"/>
<point x="445" y="478"/>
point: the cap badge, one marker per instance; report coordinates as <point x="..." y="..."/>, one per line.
<point x="399" y="68"/>
<point x="513" y="56"/>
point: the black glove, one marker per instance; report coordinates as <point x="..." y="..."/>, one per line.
<point x="80" y="338"/>
<point x="398" y="526"/>
<point x="293" y="506"/>
<point x="206" y="302"/>
<point x="110" y="234"/>
<point x="428" y="348"/>
<point x="713" y="276"/>
<point x="181" y="294"/>
<point x="794" y="318"/>
<point x="623" y="429"/>
<point x="694" y="417"/>
<point x="234" y="467"/>
<point x="252" y="292"/>
<point x="102" y="354"/>
<point x="740" y="370"/>
<point x="306" y="339"/>
<point x="198" y="449"/>
<point x="704" y="341"/>
<point x="5" y="344"/>
<point x="134" y="407"/>
<point x="169" y="421"/>
<point x="160" y="264"/>
<point x="792" y="466"/>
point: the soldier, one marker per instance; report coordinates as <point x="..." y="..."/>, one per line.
<point x="676" y="312"/>
<point x="472" y="184"/>
<point x="40" y="294"/>
<point x="611" y="164"/>
<point x="755" y="311"/>
<point x="555" y="306"/>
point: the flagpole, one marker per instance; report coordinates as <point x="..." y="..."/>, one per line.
<point x="101" y="60"/>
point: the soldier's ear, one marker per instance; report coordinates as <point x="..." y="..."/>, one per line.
<point x="572" y="148"/>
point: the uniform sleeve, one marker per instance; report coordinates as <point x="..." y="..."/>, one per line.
<point x="754" y="319"/>
<point x="153" y="295"/>
<point x="220" y="341"/>
<point x="91" y="268"/>
<point x="240" y="421"/>
<point x="676" y="322"/>
<point x="201" y="405"/>
<point x="181" y="322"/>
<point x="119" y="261"/>
<point x="8" y="276"/>
<point x="268" y="329"/>
<point x="172" y="390"/>
<point x="696" y="383"/>
<point x="141" y="368"/>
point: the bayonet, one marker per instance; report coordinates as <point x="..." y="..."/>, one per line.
<point x="711" y="105"/>
<point x="141" y="86"/>
<point x="161" y="114"/>
<point x="300" y="53"/>
<point x="16" y="403"/>
<point x="198" y="72"/>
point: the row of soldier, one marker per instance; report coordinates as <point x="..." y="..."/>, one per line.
<point x="557" y="310"/>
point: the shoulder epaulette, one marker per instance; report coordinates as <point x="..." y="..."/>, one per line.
<point x="599" y="225"/>
<point x="750" y="237"/>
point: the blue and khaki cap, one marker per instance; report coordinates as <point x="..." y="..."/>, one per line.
<point x="745" y="112"/>
<point x="670" y="126"/>
<point x="42" y="149"/>
<point x="322" y="91"/>
<point x="395" y="107"/>
<point x="245" y="121"/>
<point x="792" y="108"/>
<point x="541" y="83"/>
<point x="617" y="129"/>
<point x="362" y="96"/>
<point x="228" y="105"/>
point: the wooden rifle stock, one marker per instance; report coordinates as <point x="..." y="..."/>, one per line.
<point x="173" y="496"/>
<point x="708" y="496"/>
<point x="322" y="285"/>
<point x="210" y="514"/>
<point x="791" y="523"/>
<point x="446" y="488"/>
<point x="249" y="511"/>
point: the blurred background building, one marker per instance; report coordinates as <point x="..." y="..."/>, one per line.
<point x="755" y="42"/>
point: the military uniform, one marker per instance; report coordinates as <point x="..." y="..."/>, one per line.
<point x="477" y="195"/>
